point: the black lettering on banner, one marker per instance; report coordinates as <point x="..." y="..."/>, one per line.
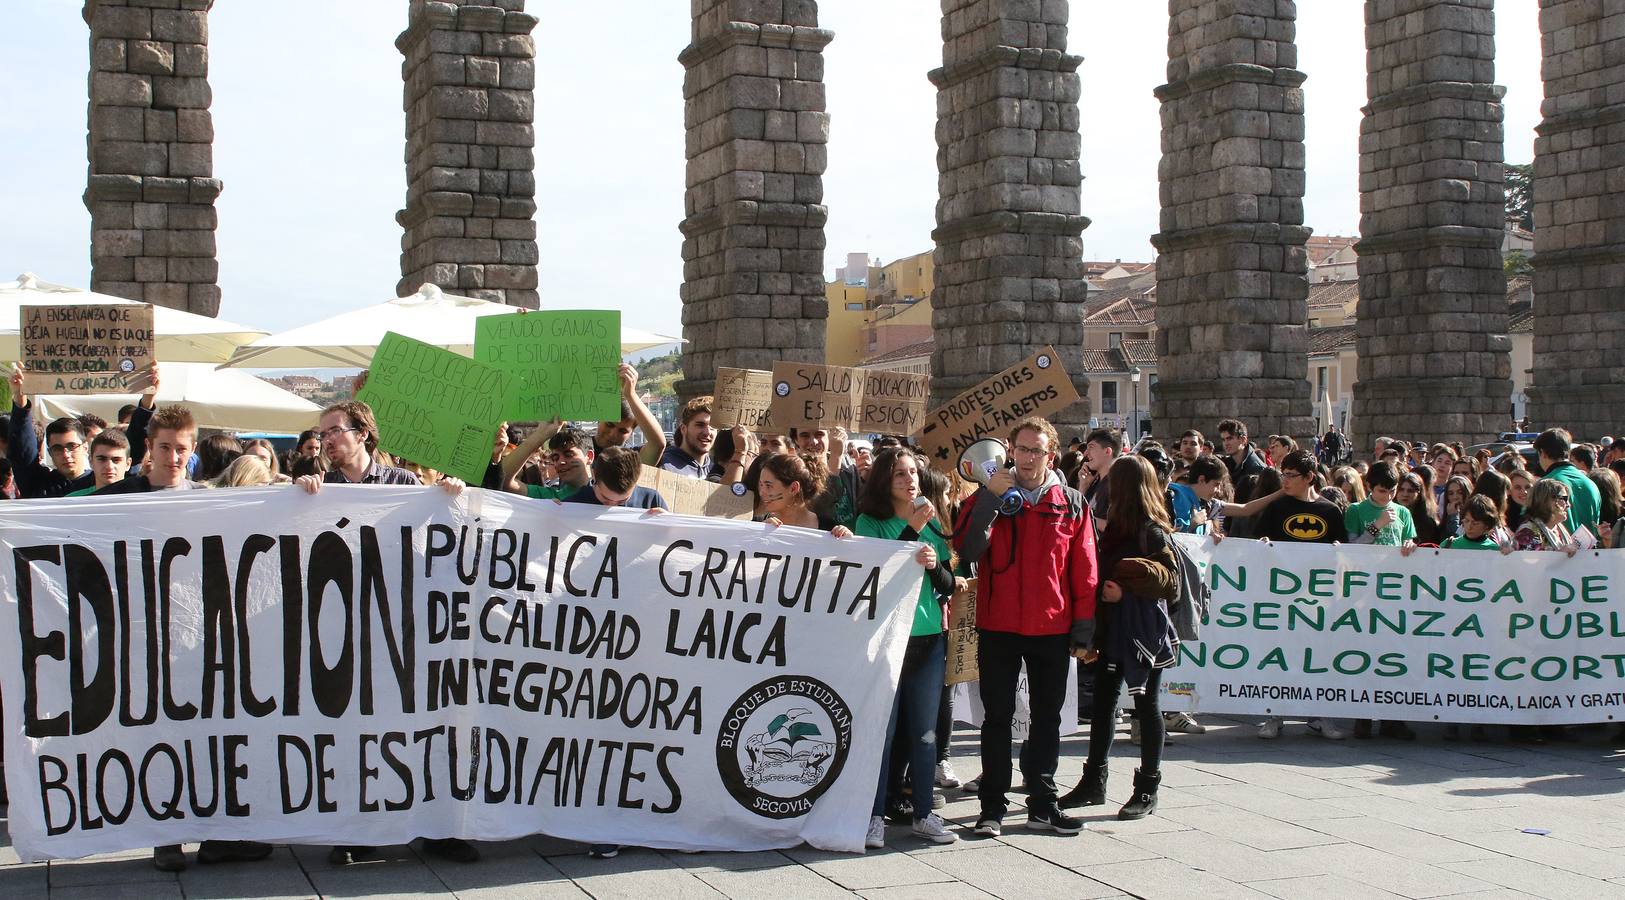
<point x="121" y="574"/>
<point x="35" y="646"/>
<point x="293" y="631"/>
<point x="330" y="564"/>
<point x="87" y="586"/>
<point x="219" y="633"/>
<point x="253" y="547"/>
<point x="173" y="548"/>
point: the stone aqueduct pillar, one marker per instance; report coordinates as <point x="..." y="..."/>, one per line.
<point x="151" y="187"/>
<point x="1580" y="220"/>
<point x="753" y="232"/>
<point x="1232" y="284"/>
<point x="1009" y="251"/>
<point x="469" y="74"/>
<point x="1433" y="347"/>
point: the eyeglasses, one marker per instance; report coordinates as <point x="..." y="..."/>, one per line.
<point x="332" y="433"/>
<point x="1030" y="451"/>
<point x="65" y="448"/>
<point x="1288" y="473"/>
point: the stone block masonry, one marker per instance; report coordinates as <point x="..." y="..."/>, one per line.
<point x="1009" y="246"/>
<point x="1232" y="284"/>
<point x="1578" y="381"/>
<point x="1435" y="359"/>
<point x="753" y="227"/>
<point x="151" y="185"/>
<point x="470" y="74"/>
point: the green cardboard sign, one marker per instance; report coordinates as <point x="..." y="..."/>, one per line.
<point x="568" y="362"/>
<point x="435" y="407"/>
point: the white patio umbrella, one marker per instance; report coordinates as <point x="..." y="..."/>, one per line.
<point x="180" y="336"/>
<point x="432" y="316"/>
<point x="227" y="399"/>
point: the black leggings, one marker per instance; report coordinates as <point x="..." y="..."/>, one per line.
<point x="1103" y="726"/>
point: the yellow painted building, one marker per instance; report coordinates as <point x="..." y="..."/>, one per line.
<point x="848" y="316"/>
<point x="887" y="309"/>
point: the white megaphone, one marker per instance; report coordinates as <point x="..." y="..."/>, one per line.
<point x="980" y="462"/>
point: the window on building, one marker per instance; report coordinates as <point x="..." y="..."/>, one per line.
<point x="1320" y="382"/>
<point x="854" y="307"/>
<point x="1108" y="398"/>
<point x="1114" y="340"/>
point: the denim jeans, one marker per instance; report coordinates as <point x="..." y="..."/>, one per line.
<point x="914" y="720"/>
<point x="1103" y="725"/>
<point x="1000" y="657"/>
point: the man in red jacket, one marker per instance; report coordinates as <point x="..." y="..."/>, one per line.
<point x="1035" y="602"/>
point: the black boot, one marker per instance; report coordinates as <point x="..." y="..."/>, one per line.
<point x="1091" y="791"/>
<point x="1144" y="801"/>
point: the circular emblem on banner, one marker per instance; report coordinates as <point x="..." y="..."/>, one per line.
<point x="1043" y="360"/>
<point x="782" y="388"/>
<point x="126" y="366"/>
<point x="782" y="744"/>
<point x="739" y="489"/>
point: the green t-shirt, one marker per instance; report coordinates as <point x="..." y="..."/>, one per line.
<point x="1461" y="542"/>
<point x="83" y="492"/>
<point x="556" y="492"/>
<point x="1362" y="514"/>
<point x="928" y="612"/>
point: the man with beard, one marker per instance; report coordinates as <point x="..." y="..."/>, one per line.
<point x="691" y="454"/>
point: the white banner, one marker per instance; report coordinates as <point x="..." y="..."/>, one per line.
<point x="375" y="664"/>
<point x="1470" y="636"/>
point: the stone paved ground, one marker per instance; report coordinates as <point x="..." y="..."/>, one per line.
<point x="1297" y="818"/>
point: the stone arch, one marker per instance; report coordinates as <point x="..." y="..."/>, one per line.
<point x="468" y="77"/>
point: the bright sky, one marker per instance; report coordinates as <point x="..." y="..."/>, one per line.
<point x="309" y="144"/>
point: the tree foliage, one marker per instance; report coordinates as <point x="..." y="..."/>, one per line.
<point x="1520" y="181"/>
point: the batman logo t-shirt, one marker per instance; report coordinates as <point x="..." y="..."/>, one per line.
<point x="1312" y="521"/>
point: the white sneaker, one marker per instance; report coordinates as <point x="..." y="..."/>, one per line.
<point x="1270" y="728"/>
<point x="876" y="838"/>
<point x="932" y="829"/>
<point x="1327" y="729"/>
<point x="945" y="775"/>
<point x="1183" y="723"/>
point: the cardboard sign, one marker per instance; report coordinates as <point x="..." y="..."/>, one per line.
<point x="693" y="497"/>
<point x="568" y="362"/>
<point x="893" y="402"/>
<point x="962" y="646"/>
<point x="88" y="349"/>
<point x="808" y="395"/>
<point x="435" y="407"/>
<point x="743" y="397"/>
<point x="1036" y="386"/>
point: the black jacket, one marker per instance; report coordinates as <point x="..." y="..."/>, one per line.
<point x="35" y="479"/>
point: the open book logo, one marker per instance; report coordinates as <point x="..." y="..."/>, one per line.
<point x="782" y="744"/>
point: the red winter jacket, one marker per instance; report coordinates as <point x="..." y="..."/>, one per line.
<point x="1037" y="575"/>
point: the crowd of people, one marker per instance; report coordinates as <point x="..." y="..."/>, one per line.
<point x="1083" y="568"/>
